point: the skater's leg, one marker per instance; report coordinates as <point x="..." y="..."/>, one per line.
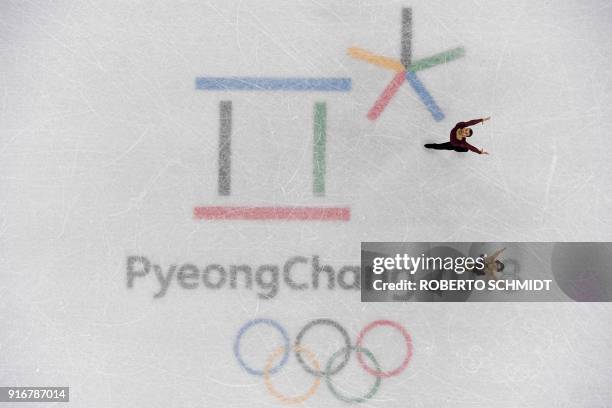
<point x="440" y="146"/>
<point x="460" y="149"/>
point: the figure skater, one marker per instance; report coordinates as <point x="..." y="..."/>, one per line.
<point x="491" y="265"/>
<point x="458" y="134"/>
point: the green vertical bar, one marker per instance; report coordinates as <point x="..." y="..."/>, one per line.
<point x="318" y="159"/>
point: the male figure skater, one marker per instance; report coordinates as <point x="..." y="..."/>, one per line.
<point x="458" y="134"/>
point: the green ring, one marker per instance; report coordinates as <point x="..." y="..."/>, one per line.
<point x="328" y="379"/>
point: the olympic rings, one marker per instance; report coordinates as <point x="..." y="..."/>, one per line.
<point x="347" y="342"/>
<point x="278" y="395"/>
<point x="314" y="366"/>
<point x="370" y="393"/>
<point x="246" y="327"/>
<point x="391" y="373"/>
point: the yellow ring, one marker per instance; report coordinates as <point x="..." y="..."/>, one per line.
<point x="283" y="398"/>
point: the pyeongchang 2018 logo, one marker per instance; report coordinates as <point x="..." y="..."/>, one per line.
<point x="403" y="69"/>
<point x="298" y="273"/>
<point x="303" y="353"/>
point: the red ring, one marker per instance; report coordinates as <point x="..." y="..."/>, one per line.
<point x="400" y="328"/>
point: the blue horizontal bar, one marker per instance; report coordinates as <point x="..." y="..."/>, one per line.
<point x="273" y="84"/>
<point x="425" y="96"/>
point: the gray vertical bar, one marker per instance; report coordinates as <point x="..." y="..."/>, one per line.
<point x="406" y="58"/>
<point x="225" y="145"/>
<point x="318" y="159"/>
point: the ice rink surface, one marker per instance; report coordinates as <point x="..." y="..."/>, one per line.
<point x="106" y="148"/>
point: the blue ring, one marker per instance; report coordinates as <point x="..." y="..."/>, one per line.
<point x="246" y="327"/>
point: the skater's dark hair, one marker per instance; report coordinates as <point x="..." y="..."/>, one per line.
<point x="470" y="131"/>
<point x="500" y="265"/>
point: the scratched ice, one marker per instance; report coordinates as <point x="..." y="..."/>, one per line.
<point x="108" y="150"/>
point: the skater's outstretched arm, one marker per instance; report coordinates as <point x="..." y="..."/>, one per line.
<point x="471" y="122"/>
<point x="466" y="145"/>
<point x="496" y="254"/>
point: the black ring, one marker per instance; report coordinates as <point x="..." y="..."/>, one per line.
<point x="347" y="341"/>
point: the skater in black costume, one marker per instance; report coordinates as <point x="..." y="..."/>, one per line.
<point x="458" y="134"/>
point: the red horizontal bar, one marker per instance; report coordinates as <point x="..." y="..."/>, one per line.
<point x="273" y="213"/>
